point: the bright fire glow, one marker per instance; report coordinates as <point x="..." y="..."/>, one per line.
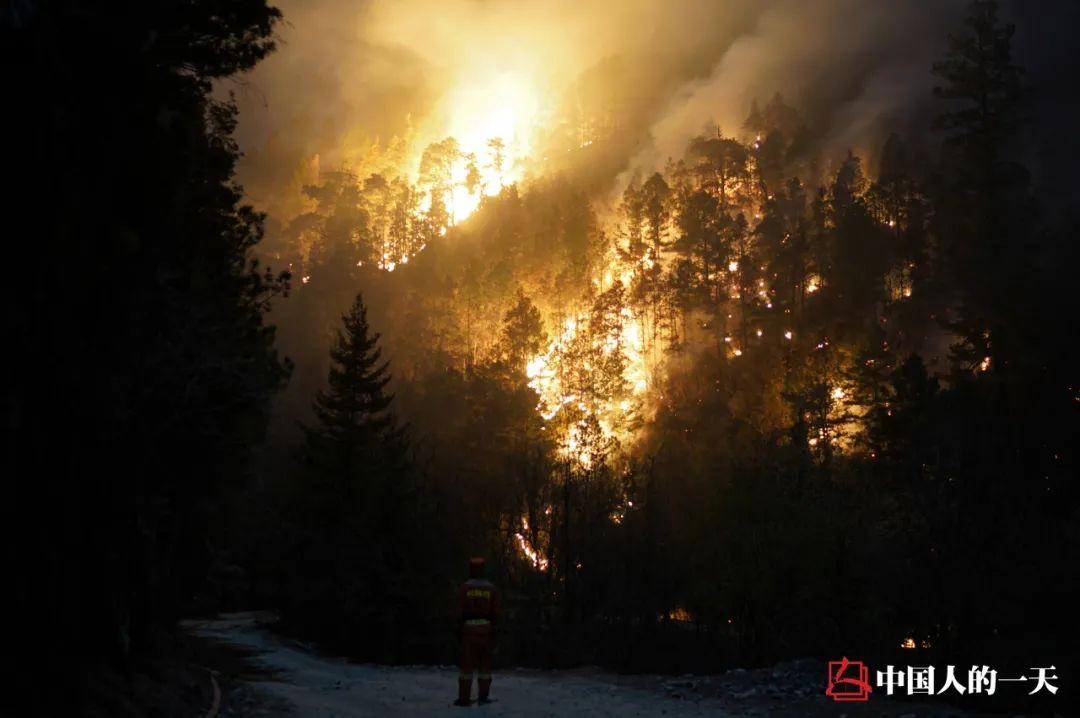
<point x="500" y="106"/>
<point x="535" y="557"/>
<point x="548" y="376"/>
<point x="545" y="376"/>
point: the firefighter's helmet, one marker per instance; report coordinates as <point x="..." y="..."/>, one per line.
<point x="476" y="567"/>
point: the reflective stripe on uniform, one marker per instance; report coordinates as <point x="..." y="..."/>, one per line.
<point x="478" y="622"/>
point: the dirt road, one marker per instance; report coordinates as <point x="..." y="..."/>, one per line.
<point x="293" y="680"/>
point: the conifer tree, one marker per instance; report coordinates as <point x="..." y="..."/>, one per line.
<point x="656" y="210"/>
<point x="358" y="560"/>
<point x="632" y="211"/>
<point x="755" y="121"/>
<point x="984" y="210"/>
<point x="353" y="412"/>
<point x="523" y="335"/>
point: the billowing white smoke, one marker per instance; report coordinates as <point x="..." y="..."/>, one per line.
<point x="852" y="67"/>
<point x="349" y="69"/>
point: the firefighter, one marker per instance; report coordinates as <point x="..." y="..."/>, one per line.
<point x="479" y="611"/>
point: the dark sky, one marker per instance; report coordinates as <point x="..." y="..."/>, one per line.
<point x="1046" y="45"/>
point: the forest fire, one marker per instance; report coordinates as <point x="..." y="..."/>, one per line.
<point x="489" y="123"/>
<point x="606" y="322"/>
<point x="411" y="191"/>
<point x="530" y="552"/>
<point x="570" y="374"/>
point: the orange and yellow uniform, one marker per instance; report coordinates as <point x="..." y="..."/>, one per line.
<point x="479" y="602"/>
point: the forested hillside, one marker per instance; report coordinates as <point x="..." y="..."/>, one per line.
<point x="765" y="401"/>
<point x="714" y="373"/>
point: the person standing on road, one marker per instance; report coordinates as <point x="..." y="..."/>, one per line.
<point x="479" y="602"/>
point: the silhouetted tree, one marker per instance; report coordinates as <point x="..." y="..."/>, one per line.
<point x="143" y="263"/>
<point x="656" y="211"/>
<point x="984" y="213"/>
<point x="356" y="574"/>
<point x="523" y="335"/>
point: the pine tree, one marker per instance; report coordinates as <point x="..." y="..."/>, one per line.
<point x="723" y="167"/>
<point x="523" y="335"/>
<point x="436" y="176"/>
<point x="356" y="510"/>
<point x="352" y="414"/>
<point x="858" y="255"/>
<point x="632" y="212"/>
<point x="699" y="241"/>
<point x="755" y="121"/>
<point x="783" y="237"/>
<point x="982" y="80"/>
<point x="353" y="458"/>
<point x="656" y="211"/>
<point x="374" y="241"/>
<point x="984" y="210"/>
<point x="496" y="161"/>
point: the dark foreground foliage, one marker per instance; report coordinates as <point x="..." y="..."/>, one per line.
<point x="138" y="367"/>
